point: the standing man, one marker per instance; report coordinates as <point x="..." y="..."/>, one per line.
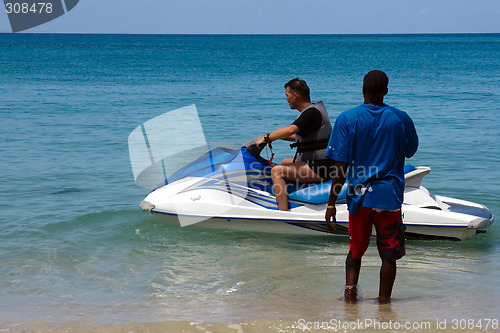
<point x="369" y="144"/>
<point x="311" y="131"/>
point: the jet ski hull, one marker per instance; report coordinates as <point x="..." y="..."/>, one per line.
<point x="210" y="208"/>
<point x="231" y="189"/>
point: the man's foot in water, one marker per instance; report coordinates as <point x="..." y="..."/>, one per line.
<point x="384" y="300"/>
<point x="351" y="294"/>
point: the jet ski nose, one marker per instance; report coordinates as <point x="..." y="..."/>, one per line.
<point x="146" y="206"/>
<point x="481" y="222"/>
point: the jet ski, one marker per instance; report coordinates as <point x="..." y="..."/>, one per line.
<point x="232" y="189"/>
<point x="229" y="187"/>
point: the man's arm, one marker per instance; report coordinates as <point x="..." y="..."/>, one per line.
<point x="338" y="181"/>
<point x="411" y="134"/>
<point x="284" y="133"/>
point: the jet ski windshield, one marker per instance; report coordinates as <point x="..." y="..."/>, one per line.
<point x="163" y="146"/>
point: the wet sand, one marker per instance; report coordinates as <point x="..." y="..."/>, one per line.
<point x="260" y="326"/>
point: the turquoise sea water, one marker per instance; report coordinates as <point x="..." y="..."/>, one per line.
<point x="76" y="248"/>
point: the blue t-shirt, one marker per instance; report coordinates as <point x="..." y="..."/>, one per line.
<point x="374" y="141"/>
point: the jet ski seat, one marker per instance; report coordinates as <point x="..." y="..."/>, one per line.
<point x="314" y="193"/>
<point x="318" y="193"/>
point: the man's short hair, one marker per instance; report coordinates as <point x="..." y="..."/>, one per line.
<point x="375" y="82"/>
<point x="300" y="87"/>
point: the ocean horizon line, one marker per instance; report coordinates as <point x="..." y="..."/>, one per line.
<point x="262" y="34"/>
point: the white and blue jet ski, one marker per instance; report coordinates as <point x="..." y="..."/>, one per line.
<point x="232" y="189"/>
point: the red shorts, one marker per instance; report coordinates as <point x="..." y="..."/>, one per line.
<point x="390" y="232"/>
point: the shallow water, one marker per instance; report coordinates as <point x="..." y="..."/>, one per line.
<point x="77" y="251"/>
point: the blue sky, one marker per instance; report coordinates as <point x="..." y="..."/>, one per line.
<point x="275" y="17"/>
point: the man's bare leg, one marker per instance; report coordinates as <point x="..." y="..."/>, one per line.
<point x="352" y="268"/>
<point x="280" y="192"/>
<point x="288" y="160"/>
<point x="299" y="172"/>
<point x="387" y="278"/>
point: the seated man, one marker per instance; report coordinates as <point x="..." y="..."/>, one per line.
<point x="311" y="131"/>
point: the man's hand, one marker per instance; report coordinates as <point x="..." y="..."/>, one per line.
<point x="330" y="216"/>
<point x="337" y="181"/>
<point x="261" y="142"/>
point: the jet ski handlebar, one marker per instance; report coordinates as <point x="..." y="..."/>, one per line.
<point x="252" y="147"/>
